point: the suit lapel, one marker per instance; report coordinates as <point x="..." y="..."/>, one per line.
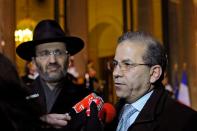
<point x="153" y="107"/>
<point x="37" y="88"/>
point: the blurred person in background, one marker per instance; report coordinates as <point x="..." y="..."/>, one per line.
<point x="71" y="68"/>
<point x="30" y="73"/>
<point x="16" y="112"/>
<point x="91" y="81"/>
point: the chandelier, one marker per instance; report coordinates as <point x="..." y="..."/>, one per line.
<point x="24" y="31"/>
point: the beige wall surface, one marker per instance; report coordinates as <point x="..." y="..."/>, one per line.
<point x="104" y="26"/>
<point x="34" y="9"/>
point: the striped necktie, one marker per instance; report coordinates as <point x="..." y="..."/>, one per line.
<point x="124" y="124"/>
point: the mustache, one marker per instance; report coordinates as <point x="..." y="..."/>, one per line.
<point x="52" y="65"/>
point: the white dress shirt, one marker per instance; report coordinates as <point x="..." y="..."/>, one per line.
<point x="139" y="104"/>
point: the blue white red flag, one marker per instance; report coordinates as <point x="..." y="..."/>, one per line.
<point x="183" y="95"/>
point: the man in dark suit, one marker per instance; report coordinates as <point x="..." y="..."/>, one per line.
<point x="138" y="70"/>
<point x="54" y="89"/>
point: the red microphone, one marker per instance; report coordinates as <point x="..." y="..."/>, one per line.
<point x="108" y="113"/>
<point x="99" y="103"/>
<point x="85" y="104"/>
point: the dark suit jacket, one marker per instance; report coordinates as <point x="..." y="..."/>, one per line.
<point x="67" y="98"/>
<point x="162" y="113"/>
<point x="16" y="114"/>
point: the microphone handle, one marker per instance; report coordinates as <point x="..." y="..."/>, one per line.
<point x="72" y="112"/>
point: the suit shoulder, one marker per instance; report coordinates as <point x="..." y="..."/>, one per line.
<point x="179" y="108"/>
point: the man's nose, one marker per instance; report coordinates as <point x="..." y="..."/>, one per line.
<point x="117" y="72"/>
<point x="52" y="58"/>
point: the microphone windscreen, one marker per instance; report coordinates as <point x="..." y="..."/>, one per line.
<point x="108" y="112"/>
<point x="84" y="103"/>
<point x="99" y="103"/>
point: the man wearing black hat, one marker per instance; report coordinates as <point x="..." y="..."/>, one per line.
<point x="50" y="50"/>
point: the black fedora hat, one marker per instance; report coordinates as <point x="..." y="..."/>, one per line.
<point x="48" y="31"/>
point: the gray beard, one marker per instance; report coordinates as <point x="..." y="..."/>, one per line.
<point x="45" y="76"/>
<point x="53" y="79"/>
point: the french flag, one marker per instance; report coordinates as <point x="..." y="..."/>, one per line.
<point x="183" y="94"/>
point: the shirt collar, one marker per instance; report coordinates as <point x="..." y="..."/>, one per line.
<point x="139" y="104"/>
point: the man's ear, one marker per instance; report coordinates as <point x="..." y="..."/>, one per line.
<point x="155" y="73"/>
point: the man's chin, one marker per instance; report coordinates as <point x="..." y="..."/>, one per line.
<point x="119" y="94"/>
<point x="53" y="78"/>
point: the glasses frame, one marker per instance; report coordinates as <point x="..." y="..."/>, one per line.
<point x="52" y="52"/>
<point x="123" y="67"/>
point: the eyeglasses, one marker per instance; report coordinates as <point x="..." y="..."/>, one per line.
<point x="124" y="65"/>
<point x="46" y="53"/>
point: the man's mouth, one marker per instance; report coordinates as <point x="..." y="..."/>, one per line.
<point x="52" y="68"/>
<point x="118" y="85"/>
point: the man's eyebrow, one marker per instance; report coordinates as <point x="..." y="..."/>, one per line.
<point x="43" y="50"/>
<point x="39" y="51"/>
<point x="127" y="60"/>
<point x="50" y="50"/>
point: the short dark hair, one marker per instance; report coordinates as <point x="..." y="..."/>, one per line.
<point x="155" y="53"/>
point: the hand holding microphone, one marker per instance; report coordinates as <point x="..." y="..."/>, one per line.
<point x="89" y="106"/>
<point x="85" y="113"/>
<point x="99" y="104"/>
<point x="85" y="104"/>
<point x="93" y="122"/>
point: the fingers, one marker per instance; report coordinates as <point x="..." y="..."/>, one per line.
<point x="56" y="120"/>
<point x="93" y="109"/>
<point x="93" y="122"/>
<point x="67" y="116"/>
<point x="95" y="106"/>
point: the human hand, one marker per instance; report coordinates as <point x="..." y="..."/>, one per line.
<point x="99" y="103"/>
<point x="56" y="120"/>
<point x="93" y="121"/>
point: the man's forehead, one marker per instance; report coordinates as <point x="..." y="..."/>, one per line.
<point x="51" y="45"/>
<point x="130" y="50"/>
